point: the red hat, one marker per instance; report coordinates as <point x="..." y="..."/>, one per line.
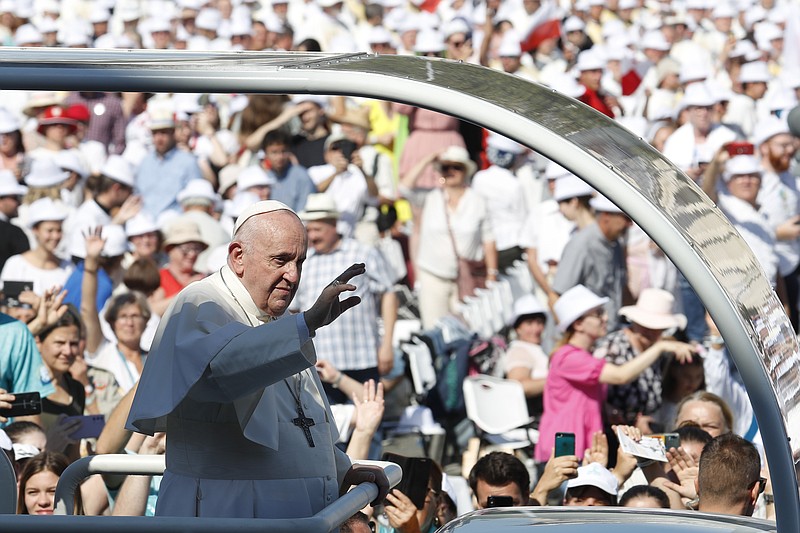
<point x="55" y="115"/>
<point x="78" y="112"/>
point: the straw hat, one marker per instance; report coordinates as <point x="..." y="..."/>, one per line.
<point x="181" y="232"/>
<point x="319" y="206"/>
<point x="653" y="310"/>
<point x="457" y="154"/>
<point x="354" y="117"/>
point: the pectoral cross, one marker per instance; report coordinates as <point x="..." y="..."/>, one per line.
<point x="305" y="423"/>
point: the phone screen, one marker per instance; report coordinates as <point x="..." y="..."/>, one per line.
<point x="565" y="444"/>
<point x="499" y="501"/>
<point x="416" y="472"/>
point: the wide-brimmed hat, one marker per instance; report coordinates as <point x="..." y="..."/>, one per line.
<point x="119" y="170"/>
<point x="9" y="186"/>
<point x="140" y="224"/>
<point x="181" y="232"/>
<point x="653" y="310"/>
<point x="253" y="176"/>
<point x="571" y="186"/>
<point x="8" y="122"/>
<point x="56" y="115"/>
<point x="574" y="303"/>
<point x="601" y="204"/>
<point x="526" y="305"/>
<point x="45" y="173"/>
<point x="41" y="99"/>
<point x="459" y="155"/>
<point x="197" y="191"/>
<point x="319" y="206"/>
<point x="45" y="209"/>
<point x="354" y="117"/>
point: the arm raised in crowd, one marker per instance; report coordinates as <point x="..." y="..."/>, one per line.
<point x="625" y="373"/>
<point x="89" y="311"/>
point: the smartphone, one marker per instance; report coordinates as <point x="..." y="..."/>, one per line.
<point x="91" y="426"/>
<point x="499" y="501"/>
<point x="25" y="403"/>
<point x="416" y="473"/>
<point x="565" y="444"/>
<point x="741" y="148"/>
<point x="12" y="289"/>
<point x="671" y="440"/>
<point x="347" y="148"/>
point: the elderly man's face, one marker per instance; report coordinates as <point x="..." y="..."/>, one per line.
<point x="322" y="235"/>
<point x="270" y="267"/>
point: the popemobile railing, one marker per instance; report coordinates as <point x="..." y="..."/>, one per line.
<point x="62" y="521"/>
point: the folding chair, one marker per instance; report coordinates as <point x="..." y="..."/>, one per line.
<point x="499" y="410"/>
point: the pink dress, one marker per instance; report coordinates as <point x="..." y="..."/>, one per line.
<point x="429" y="132"/>
<point x="573" y="399"/>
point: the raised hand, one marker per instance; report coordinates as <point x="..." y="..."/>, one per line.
<point x="327" y="308"/>
<point x="94" y="242"/>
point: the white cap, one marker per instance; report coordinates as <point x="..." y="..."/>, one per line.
<point x="526" y="304"/>
<point x="510" y="45"/>
<point x="9" y="186"/>
<point x="504" y="144"/>
<point x="694" y="71"/>
<point x="45" y="173"/>
<point x="567" y="85"/>
<point x="116" y="241"/>
<point x="259" y="208"/>
<point x="457" y="25"/>
<point x="697" y="94"/>
<point x="228" y="177"/>
<point x="741" y="164"/>
<point x="571" y="186"/>
<point x="756" y="71"/>
<point x="23" y="451"/>
<point x="724" y="10"/>
<point x="27" y="34"/>
<point x="158" y="24"/>
<point x="197" y="189"/>
<point x="595" y="475"/>
<point x="253" y="176"/>
<point x="602" y="204"/>
<point x="99" y="14"/>
<point x="590" y="60"/>
<point x="45" y="209"/>
<point x="769" y="127"/>
<point x="119" y="170"/>
<point x="429" y="41"/>
<point x="553" y="171"/>
<point x="208" y="19"/>
<point x="573" y="24"/>
<point x="140" y="224"/>
<point x="379" y="35"/>
<point x="574" y="303"/>
<point x="655" y="40"/>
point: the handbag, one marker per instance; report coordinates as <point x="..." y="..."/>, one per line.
<point x="471" y="273"/>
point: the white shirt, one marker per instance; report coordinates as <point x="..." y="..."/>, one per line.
<point x="778" y="201"/>
<point x="349" y="191"/>
<point x="681" y="148"/>
<point x="755" y="230"/>
<point x="18" y="269"/>
<point x="548" y="231"/>
<point x="505" y="200"/>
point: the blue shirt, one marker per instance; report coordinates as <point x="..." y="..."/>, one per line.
<point x="293" y="187"/>
<point x="73" y="287"/>
<point x="160" y="179"/>
<point x="21" y="366"/>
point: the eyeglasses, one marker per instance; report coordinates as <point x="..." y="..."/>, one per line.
<point x="447" y="167"/>
<point x="187" y="249"/>
<point x="597" y="313"/>
<point x="132" y="318"/>
<point x="762" y="484"/>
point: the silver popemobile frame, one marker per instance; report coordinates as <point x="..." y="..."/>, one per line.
<point x="650" y="189"/>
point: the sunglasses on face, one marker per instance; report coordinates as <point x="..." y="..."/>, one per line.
<point x="447" y="167"/>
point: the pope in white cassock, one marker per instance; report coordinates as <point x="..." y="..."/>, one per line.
<point x="232" y="382"/>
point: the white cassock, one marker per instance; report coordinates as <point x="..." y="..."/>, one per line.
<point x="220" y="388"/>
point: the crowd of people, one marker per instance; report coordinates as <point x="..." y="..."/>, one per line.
<point x="111" y="204"/>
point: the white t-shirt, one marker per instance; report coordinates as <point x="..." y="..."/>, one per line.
<point x="18" y="269"/>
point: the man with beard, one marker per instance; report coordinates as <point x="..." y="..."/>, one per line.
<point x="779" y="201"/>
